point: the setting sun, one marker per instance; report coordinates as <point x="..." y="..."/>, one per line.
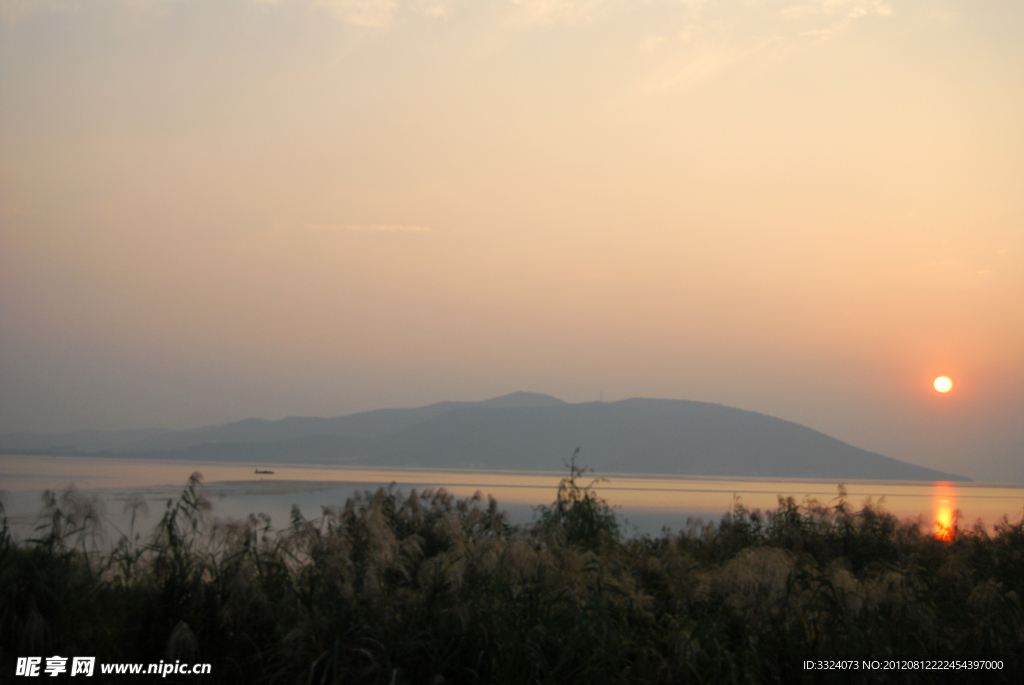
<point x="943" y="384"/>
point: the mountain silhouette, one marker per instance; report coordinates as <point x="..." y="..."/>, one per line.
<point x="523" y="431"/>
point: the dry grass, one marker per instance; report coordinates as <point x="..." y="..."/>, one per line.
<point x="426" y="588"/>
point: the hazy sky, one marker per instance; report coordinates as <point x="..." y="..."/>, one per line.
<point x="216" y="210"/>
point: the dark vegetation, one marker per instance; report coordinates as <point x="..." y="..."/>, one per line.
<point x="427" y="588"/>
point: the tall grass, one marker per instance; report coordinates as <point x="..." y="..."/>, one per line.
<point x="422" y="587"/>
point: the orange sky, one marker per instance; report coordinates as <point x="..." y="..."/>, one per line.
<point x="210" y="211"/>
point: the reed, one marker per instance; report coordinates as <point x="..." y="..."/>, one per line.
<point x="423" y="587"/>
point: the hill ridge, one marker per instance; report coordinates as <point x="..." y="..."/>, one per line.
<point x="529" y="431"/>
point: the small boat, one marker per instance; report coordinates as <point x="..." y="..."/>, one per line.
<point x="264" y="472"/>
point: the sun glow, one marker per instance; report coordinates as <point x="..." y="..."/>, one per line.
<point x="944" y="512"/>
<point x="943" y="384"/>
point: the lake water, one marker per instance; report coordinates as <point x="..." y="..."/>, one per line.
<point x="647" y="503"/>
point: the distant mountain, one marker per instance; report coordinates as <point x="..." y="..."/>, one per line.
<point x="75" y="441"/>
<point x="526" y="431"/>
<point x="369" y="424"/>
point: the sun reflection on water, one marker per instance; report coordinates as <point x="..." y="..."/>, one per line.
<point x="945" y="511"/>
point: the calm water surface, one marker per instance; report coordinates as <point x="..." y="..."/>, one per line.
<point x="647" y="502"/>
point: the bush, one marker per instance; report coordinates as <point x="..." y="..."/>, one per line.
<point x="578" y="516"/>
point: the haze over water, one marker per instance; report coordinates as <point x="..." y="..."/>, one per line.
<point x="648" y="502"/>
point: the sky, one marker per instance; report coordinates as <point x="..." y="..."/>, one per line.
<point x="811" y="208"/>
